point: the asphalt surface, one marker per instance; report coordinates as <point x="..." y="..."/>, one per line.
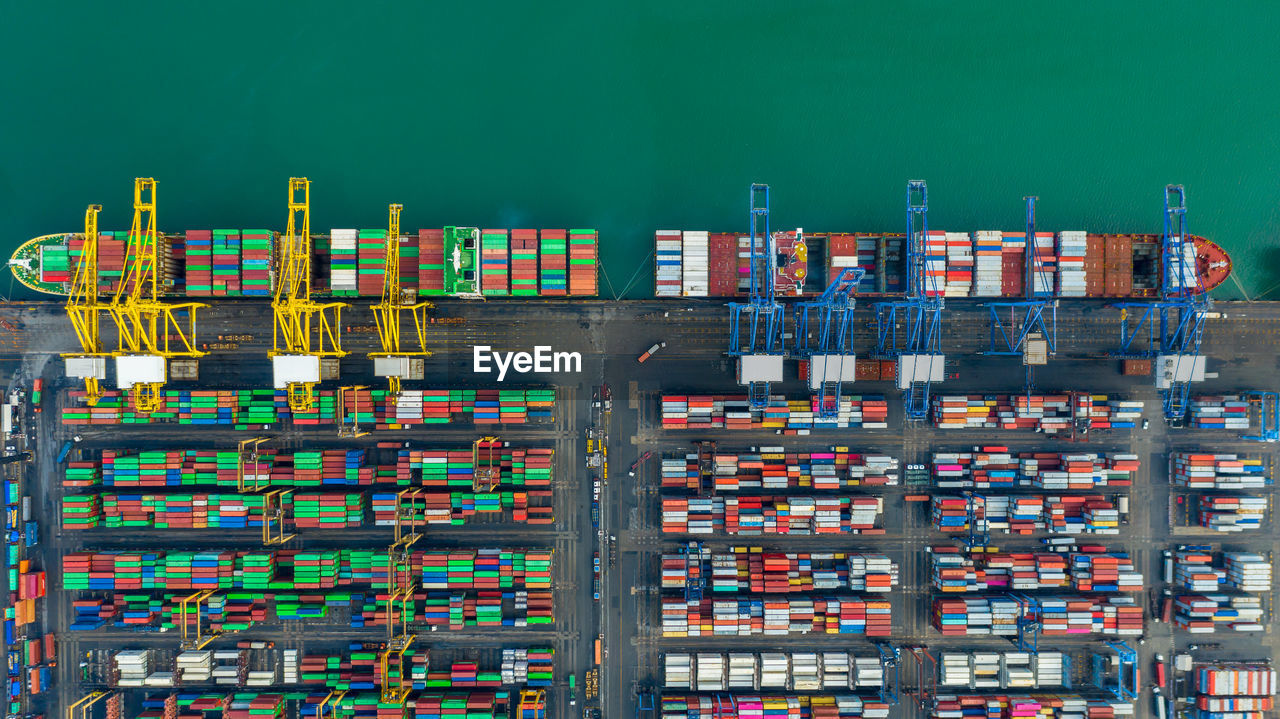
<point x="610" y="335"/>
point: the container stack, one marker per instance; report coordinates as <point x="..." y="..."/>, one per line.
<point x="245" y="408"/>
<point x="774" y="671"/>
<point x="1042" y="706"/>
<point x="226" y="263"/>
<point x="1058" y="616"/>
<point x="751" y="615"/>
<point x="1013" y="262"/>
<point x="843" y="252"/>
<point x="82" y="511"/>
<point x="410" y="263"/>
<point x="753" y="516"/>
<point x="959" y="265"/>
<point x="1023" y="571"/>
<point x="1108" y="412"/>
<point x="752" y="706"/>
<point x="524" y="263"/>
<point x="774" y="468"/>
<point x="255" y="263"/>
<point x="935" y="263"/>
<point x="1218" y="471"/>
<point x="343" y="262"/>
<point x="57" y="265"/>
<point x="1044" y="266"/>
<point x="1046" y="413"/>
<point x="431" y="261"/>
<point x="198" y="268"/>
<point x="327" y="511"/>
<point x="1241" y="691"/>
<point x="1221" y="412"/>
<point x="749" y="569"/>
<point x="1072" y="251"/>
<point x="1209" y="613"/>
<point x="553" y="272"/>
<point x="583" y="263"/>
<point x="1247" y="572"/>
<point x="112" y="249"/>
<point x="1232" y="514"/>
<point x="495" y="263"/>
<point x="681" y="412"/>
<point x="695" y="254"/>
<point x="995" y="467"/>
<point x="1027" y="514"/>
<point x="669" y="263"/>
<point x="988" y="263"/>
<point x="1001" y="669"/>
<point x="372" y="263"/>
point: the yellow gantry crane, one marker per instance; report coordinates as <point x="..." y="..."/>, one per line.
<point x="400" y="605"/>
<point x="83" y="707"/>
<point x="273" y="500"/>
<point x="489" y="475"/>
<point x="349" y="422"/>
<point x="84" y="311"/>
<point x="191" y="620"/>
<point x="305" y="331"/>
<point x="152" y="332"/>
<point x="392" y="361"/>
<point x="328" y="707"/>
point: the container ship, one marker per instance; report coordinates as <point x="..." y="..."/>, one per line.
<point x="985" y="264"/>
<point x="447" y="262"/>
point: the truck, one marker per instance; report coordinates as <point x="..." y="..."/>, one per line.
<point x="66" y="450"/>
<point x="595" y="514"/>
<point x="37" y="389"/>
<point x="31" y="534"/>
<point x="573" y="690"/>
<point x="1160" y="678"/>
<point x="644" y="356"/>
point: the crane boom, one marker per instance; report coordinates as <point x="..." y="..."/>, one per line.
<point x="151" y="331"/>
<point x="297" y="317"/>
<point x="85" y="313"/>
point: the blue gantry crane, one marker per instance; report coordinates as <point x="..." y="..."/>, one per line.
<point x="1172" y="325"/>
<point x="1268" y="404"/>
<point x="1029" y="625"/>
<point x="890" y="673"/>
<point x="645" y="708"/>
<point x="1031" y="328"/>
<point x="830" y="354"/>
<point x="1126" y="663"/>
<point x="756" y="326"/>
<point x="918" y="349"/>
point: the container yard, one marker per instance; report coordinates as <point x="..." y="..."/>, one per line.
<point x="691" y="522"/>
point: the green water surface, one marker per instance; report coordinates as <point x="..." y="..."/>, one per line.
<point x="630" y="117"/>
